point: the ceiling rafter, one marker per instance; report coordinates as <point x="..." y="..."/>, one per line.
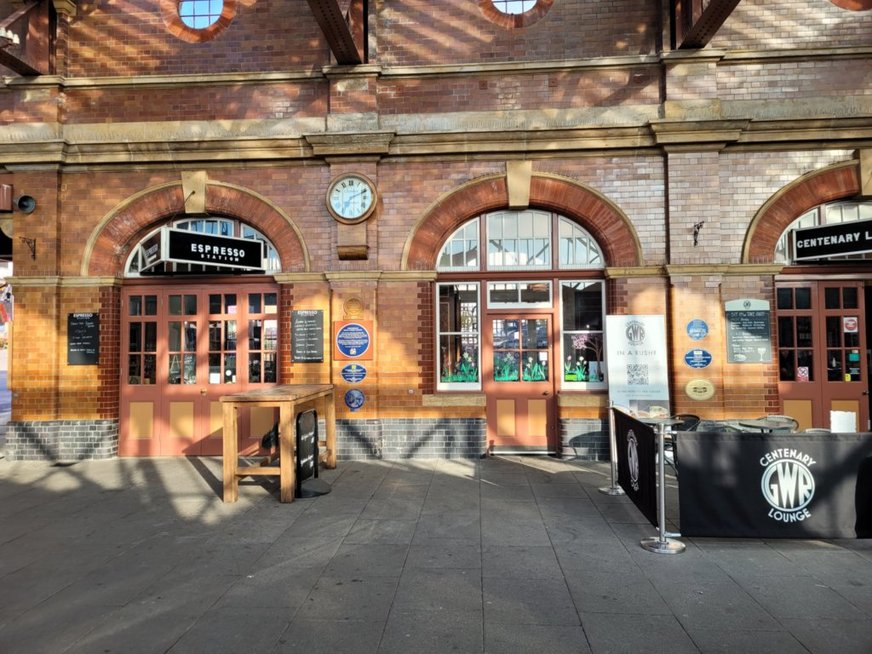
<point x="339" y="30"/>
<point x="697" y="21"/>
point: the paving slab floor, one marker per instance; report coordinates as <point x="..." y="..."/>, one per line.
<point x="504" y="554"/>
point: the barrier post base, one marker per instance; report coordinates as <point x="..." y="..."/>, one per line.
<point x="611" y="490"/>
<point x="662" y="546"/>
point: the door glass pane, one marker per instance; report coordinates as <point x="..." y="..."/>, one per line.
<point x="214" y="335"/>
<point x="784" y="298"/>
<point x="785" y="331"/>
<point x="174" y="336"/>
<point x="834" y="331"/>
<point x="803" y="298"/>
<point x="804" y="367"/>
<point x="135" y="331"/>
<point x="134" y="305"/>
<point x="150" y="342"/>
<point x="149" y="369"/>
<point x="270" y="369"/>
<point x="270" y="305"/>
<point x="834" y="365"/>
<point x="535" y="366"/>
<point x="134" y="369"/>
<point x="230" y="368"/>
<point x="270" y="334"/>
<point x="254" y="367"/>
<point x="190" y="336"/>
<point x="506" y="366"/>
<point x="535" y="334"/>
<point x="214" y="367"/>
<point x="786" y="366"/>
<point x="849" y="298"/>
<point x="214" y="303"/>
<point x="175" y="368"/>
<point x="230" y="303"/>
<point x="190" y="369"/>
<point x="254" y="303"/>
<point x="174" y="305"/>
<point x="853" y="365"/>
<point x="505" y="333"/>
<point x="190" y="305"/>
<point x="803" y="331"/>
<point x="832" y="298"/>
<point x="229" y="334"/>
<point x="151" y="305"/>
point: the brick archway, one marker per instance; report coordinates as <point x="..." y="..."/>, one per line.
<point x="836" y="182"/>
<point x="119" y="231"/>
<point x="608" y="225"/>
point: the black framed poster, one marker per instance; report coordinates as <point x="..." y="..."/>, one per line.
<point x="307" y="336"/>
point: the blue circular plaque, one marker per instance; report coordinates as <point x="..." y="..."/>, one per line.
<point x="352" y="340"/>
<point x="697" y="329"/>
<point x="354" y="399"/>
<point x="353" y="373"/>
<point x="698" y="358"/>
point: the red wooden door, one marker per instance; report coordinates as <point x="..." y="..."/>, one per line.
<point x="519" y="383"/>
<point x="823" y="369"/>
<point x="183" y="348"/>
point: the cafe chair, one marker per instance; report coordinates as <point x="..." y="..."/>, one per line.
<point x="689" y="422"/>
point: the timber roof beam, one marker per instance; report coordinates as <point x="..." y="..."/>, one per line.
<point x="344" y="33"/>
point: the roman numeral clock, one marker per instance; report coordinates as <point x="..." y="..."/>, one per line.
<point x="351" y="198"/>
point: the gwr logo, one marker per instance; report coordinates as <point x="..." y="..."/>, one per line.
<point x="788" y="486"/>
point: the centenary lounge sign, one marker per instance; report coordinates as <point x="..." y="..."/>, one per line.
<point x="833" y="240"/>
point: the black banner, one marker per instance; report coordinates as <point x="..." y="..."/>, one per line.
<point x="750" y="485"/>
<point x="637" y="447"/>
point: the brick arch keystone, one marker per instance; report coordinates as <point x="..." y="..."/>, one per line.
<point x="836" y="182"/>
<point x="608" y="225"/>
<point x="109" y="244"/>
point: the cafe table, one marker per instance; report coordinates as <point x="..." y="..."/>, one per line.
<point x="290" y="400"/>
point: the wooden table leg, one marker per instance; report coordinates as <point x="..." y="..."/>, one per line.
<point x="231" y="453"/>
<point x="287" y="446"/>
<point x="330" y="424"/>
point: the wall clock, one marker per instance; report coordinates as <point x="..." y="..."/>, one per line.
<point x="351" y="198"/>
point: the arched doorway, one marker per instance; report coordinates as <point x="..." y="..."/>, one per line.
<point x="184" y="344"/>
<point x="521" y="300"/>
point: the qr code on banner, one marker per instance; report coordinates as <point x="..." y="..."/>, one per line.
<point x="637" y="374"/>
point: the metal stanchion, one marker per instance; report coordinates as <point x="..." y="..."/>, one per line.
<point x="614" y="489"/>
<point x="662" y="544"/>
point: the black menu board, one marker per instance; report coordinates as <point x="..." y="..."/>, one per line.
<point x="83" y="339"/>
<point x="748" y="333"/>
<point x="307" y="335"/>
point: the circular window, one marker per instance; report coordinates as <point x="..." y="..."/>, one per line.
<point x="853" y="5"/>
<point x="514" y="13"/>
<point x="196" y="21"/>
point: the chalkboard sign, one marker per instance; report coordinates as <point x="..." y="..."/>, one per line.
<point x="83" y="339"/>
<point x="307" y="336"/>
<point x="748" y="331"/>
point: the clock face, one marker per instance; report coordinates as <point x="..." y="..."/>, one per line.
<point x="351" y="197"/>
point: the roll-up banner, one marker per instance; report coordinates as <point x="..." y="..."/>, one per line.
<point x="636" y="446"/>
<point x="750" y="485"/>
<point x="637" y="365"/>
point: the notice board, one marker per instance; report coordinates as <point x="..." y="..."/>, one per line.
<point x="307" y="336"/>
<point x="748" y="332"/>
<point x="83" y="339"/>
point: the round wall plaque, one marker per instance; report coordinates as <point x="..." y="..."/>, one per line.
<point x="700" y="389"/>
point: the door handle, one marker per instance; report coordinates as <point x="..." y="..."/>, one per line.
<point x="545" y="393"/>
<point x="203" y="391"/>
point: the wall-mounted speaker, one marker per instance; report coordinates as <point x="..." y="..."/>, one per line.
<point x="25" y="204"/>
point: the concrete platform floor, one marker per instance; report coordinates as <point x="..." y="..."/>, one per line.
<point x="506" y="554"/>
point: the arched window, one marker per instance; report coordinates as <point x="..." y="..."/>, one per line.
<point x="825" y="214"/>
<point x="200" y="14"/>
<point x="138" y="261"/>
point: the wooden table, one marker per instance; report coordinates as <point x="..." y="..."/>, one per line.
<point x="290" y="400"/>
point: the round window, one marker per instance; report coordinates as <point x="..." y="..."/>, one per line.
<point x="196" y="21"/>
<point x="514" y="13"/>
